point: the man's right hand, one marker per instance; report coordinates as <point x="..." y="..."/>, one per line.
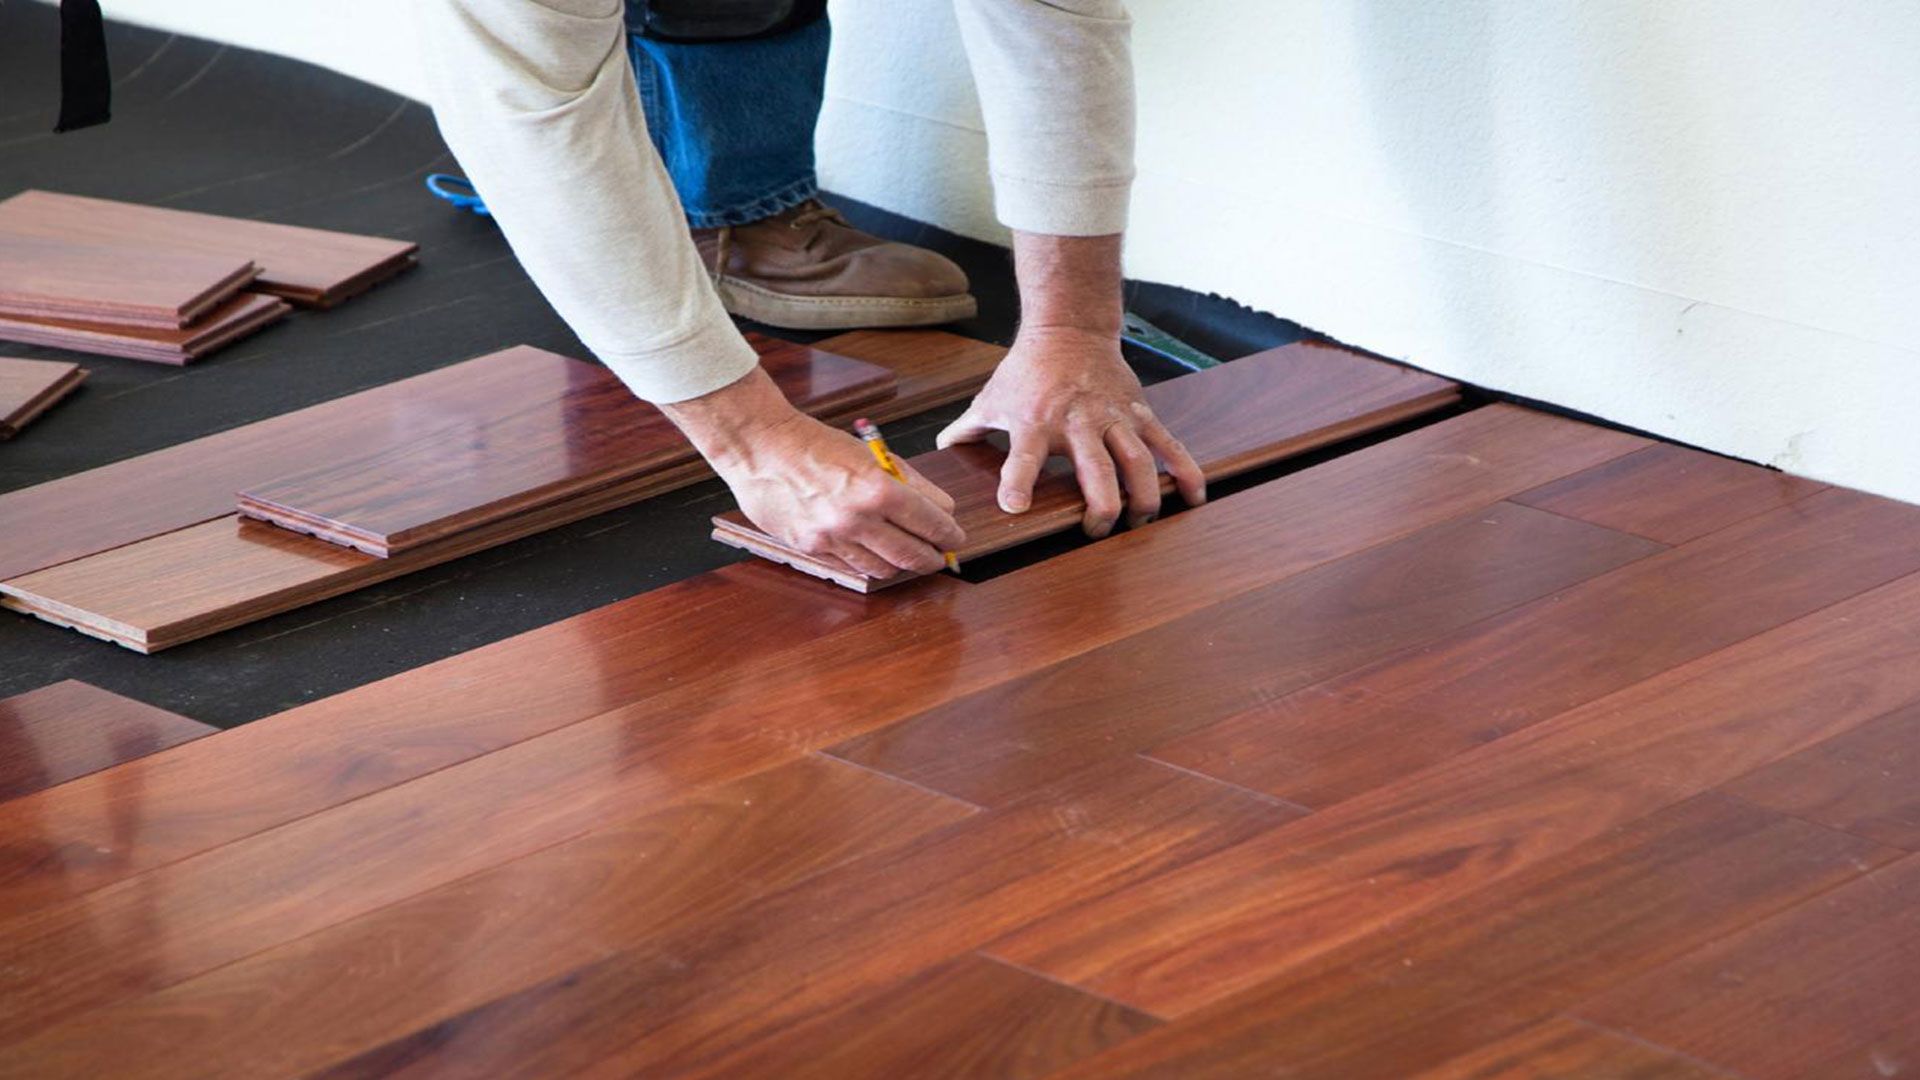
<point x="816" y="488"/>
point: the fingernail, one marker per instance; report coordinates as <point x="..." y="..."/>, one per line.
<point x="1013" y="504"/>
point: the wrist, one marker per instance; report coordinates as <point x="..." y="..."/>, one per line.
<point x="727" y="425"/>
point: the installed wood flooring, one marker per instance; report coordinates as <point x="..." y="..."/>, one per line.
<point x="1508" y="747"/>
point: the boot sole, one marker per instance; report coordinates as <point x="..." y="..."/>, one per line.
<point x="840" y="312"/>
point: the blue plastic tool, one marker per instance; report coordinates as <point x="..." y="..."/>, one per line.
<point x="458" y="191"/>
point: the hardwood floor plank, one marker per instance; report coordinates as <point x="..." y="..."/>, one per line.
<point x="1865" y="781"/>
<point x="282" y="768"/>
<point x="309" y="266"/>
<point x="235" y="318"/>
<point x="1819" y="983"/>
<point x="461" y="468"/>
<point x="1124" y="697"/>
<point x="1670" y="493"/>
<point x="942" y="641"/>
<point x="125" y="284"/>
<point x="685" y="854"/>
<point x="1419" y="994"/>
<point x="558" y="994"/>
<point x="1561" y="1048"/>
<point x="1194" y="936"/>
<point x="1419" y="707"/>
<point x="1251" y="412"/>
<point x="31" y="387"/>
<point x="69" y="729"/>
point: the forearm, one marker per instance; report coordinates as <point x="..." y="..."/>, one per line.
<point x="1069" y="282"/>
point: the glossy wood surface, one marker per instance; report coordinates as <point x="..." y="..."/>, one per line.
<point x="31" y="387"/>
<point x="114" y="283"/>
<point x="1568" y="1048"/>
<point x="309" y="266"/>
<point x="1670" y="493"/>
<point x="69" y="729"/>
<point x="234" y="318"/>
<point x="1390" y="720"/>
<point x="1125" y="697"/>
<point x="1809" y="993"/>
<point x="1866" y="782"/>
<point x="1251" y="412"/>
<point x="576" y="428"/>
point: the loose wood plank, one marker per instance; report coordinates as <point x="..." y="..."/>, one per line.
<point x="823" y="690"/>
<point x="235" y="318"/>
<point x="31" y="387"/>
<point x="1568" y="1048"/>
<point x="1409" y="711"/>
<point x="1199" y="934"/>
<point x="1127" y="696"/>
<point x="1822" y="982"/>
<point x="1239" y="416"/>
<point x="104" y="508"/>
<point x="1412" y="996"/>
<point x="69" y="729"/>
<point x="458" y="470"/>
<point x="308" y="266"/>
<point x="664" y="858"/>
<point x="123" y="284"/>
<point x="1670" y="493"/>
<point x="1866" y="781"/>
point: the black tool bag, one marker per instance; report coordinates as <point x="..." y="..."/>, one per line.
<point x="720" y="20"/>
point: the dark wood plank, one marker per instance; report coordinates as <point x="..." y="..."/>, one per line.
<point x="171" y="806"/>
<point x="678" y="855"/>
<point x="1415" y="709"/>
<point x="104" y="508"/>
<point x="1197" y="935"/>
<point x="1821" y="982"/>
<point x="1142" y="690"/>
<point x="31" y="387"/>
<point x="1560" y="1048"/>
<point x="235" y="318"/>
<point x="471" y="982"/>
<point x="941" y="641"/>
<point x="69" y="729"/>
<point x="1670" y="493"/>
<point x="121" y="283"/>
<point x="1251" y="412"/>
<point x="1866" y="781"/>
<point x="457" y="469"/>
<point x="308" y="266"/>
<point x="1416" y="995"/>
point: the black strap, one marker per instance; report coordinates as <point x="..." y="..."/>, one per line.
<point x="695" y="21"/>
<point x="86" y="88"/>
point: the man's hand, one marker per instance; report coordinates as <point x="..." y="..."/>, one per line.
<point x="1065" y="389"/>
<point x="816" y="488"/>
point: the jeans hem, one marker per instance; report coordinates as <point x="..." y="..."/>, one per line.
<point x="785" y="198"/>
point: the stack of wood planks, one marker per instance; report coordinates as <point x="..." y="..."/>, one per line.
<point x="170" y="286"/>
<point x="31" y="387"/>
<point x="1510" y="746"/>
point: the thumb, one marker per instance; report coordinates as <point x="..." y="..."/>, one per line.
<point x="970" y="427"/>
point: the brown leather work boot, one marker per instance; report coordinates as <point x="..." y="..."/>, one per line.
<point x="807" y="269"/>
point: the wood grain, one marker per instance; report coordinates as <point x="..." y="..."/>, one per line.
<point x="114" y="283"/>
<point x="235" y="318"/>
<point x="579" y="429"/>
<point x="1822" y="982"/>
<point x="31" y="387"/>
<point x="1568" y="1048"/>
<point x="670" y="851"/>
<point x="312" y="267"/>
<point x="1866" y="781"/>
<point x="1414" y="996"/>
<point x="1413" y="710"/>
<point x="1201" y="933"/>
<point x="1127" y="696"/>
<point x="1239" y="416"/>
<point x="69" y="729"/>
<point x="1670" y="493"/>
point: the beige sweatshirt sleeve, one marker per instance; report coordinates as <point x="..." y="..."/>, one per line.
<point x="1055" y="79"/>
<point x="536" y="99"/>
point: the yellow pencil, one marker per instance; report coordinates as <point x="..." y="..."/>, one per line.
<point x="865" y="429"/>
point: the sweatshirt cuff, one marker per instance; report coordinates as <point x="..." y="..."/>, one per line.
<point x="1055" y="209"/>
<point x="712" y="357"/>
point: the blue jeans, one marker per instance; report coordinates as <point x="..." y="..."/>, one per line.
<point x="733" y="120"/>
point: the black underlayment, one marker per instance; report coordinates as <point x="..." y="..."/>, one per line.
<point x="202" y="126"/>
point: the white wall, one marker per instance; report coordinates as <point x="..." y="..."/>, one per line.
<point x="1701" y="218"/>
